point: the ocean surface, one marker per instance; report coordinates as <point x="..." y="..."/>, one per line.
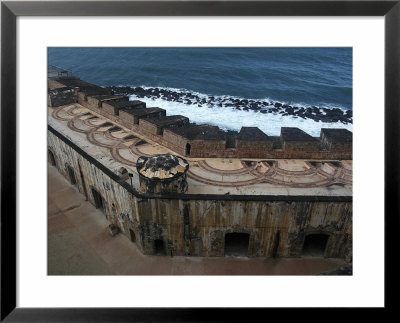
<point x="309" y="88"/>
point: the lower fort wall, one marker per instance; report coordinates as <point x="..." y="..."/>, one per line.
<point x="301" y="147"/>
<point x="196" y="225"/>
<point x="207" y="148"/>
<point x="149" y="127"/>
<point x="253" y="145"/>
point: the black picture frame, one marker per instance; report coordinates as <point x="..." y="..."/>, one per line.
<point x="10" y="10"/>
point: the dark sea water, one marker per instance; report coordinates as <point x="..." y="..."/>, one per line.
<point x="228" y="87"/>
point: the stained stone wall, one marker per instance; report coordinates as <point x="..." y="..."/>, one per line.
<point x="196" y="225"/>
<point x="62" y="96"/>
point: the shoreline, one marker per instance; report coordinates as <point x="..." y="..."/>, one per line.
<point x="317" y="114"/>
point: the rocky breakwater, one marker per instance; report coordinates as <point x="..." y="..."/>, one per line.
<point x="323" y="114"/>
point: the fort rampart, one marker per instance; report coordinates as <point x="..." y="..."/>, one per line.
<point x="200" y="141"/>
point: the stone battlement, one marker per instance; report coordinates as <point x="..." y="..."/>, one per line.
<point x="200" y="141"/>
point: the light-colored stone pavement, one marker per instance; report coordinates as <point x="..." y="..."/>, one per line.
<point x="79" y="244"/>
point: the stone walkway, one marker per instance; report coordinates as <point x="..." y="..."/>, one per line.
<point x="79" y="244"/>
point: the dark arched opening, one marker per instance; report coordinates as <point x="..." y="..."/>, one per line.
<point x="52" y="159"/>
<point x="71" y="175"/>
<point x="187" y="150"/>
<point x="237" y="244"/>
<point x="276" y="244"/>
<point x="133" y="236"/>
<point x="315" y="245"/>
<point x="98" y="200"/>
<point x="159" y="248"/>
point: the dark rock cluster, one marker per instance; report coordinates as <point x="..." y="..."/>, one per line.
<point x="165" y="162"/>
<point x="315" y="113"/>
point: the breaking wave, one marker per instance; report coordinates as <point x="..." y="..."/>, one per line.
<point x="231" y="113"/>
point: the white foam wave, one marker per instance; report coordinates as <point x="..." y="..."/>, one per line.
<point x="226" y="98"/>
<point x="232" y="119"/>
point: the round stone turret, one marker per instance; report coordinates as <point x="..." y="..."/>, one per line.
<point x="162" y="174"/>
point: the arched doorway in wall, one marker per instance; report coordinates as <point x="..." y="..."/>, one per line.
<point x="237" y="244"/>
<point x="71" y="174"/>
<point x="159" y="248"/>
<point x="187" y="150"/>
<point x="98" y="200"/>
<point x="52" y="159"/>
<point x="132" y="235"/>
<point x="315" y="245"/>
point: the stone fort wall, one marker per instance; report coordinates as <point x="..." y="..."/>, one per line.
<point x="196" y="225"/>
<point x="204" y="141"/>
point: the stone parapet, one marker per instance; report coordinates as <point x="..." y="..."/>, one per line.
<point x="205" y="141"/>
<point x="62" y="96"/>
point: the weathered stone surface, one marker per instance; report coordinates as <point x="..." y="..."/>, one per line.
<point x="336" y="139"/>
<point x="62" y="96"/>
<point x="197" y="226"/>
<point x="162" y="174"/>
